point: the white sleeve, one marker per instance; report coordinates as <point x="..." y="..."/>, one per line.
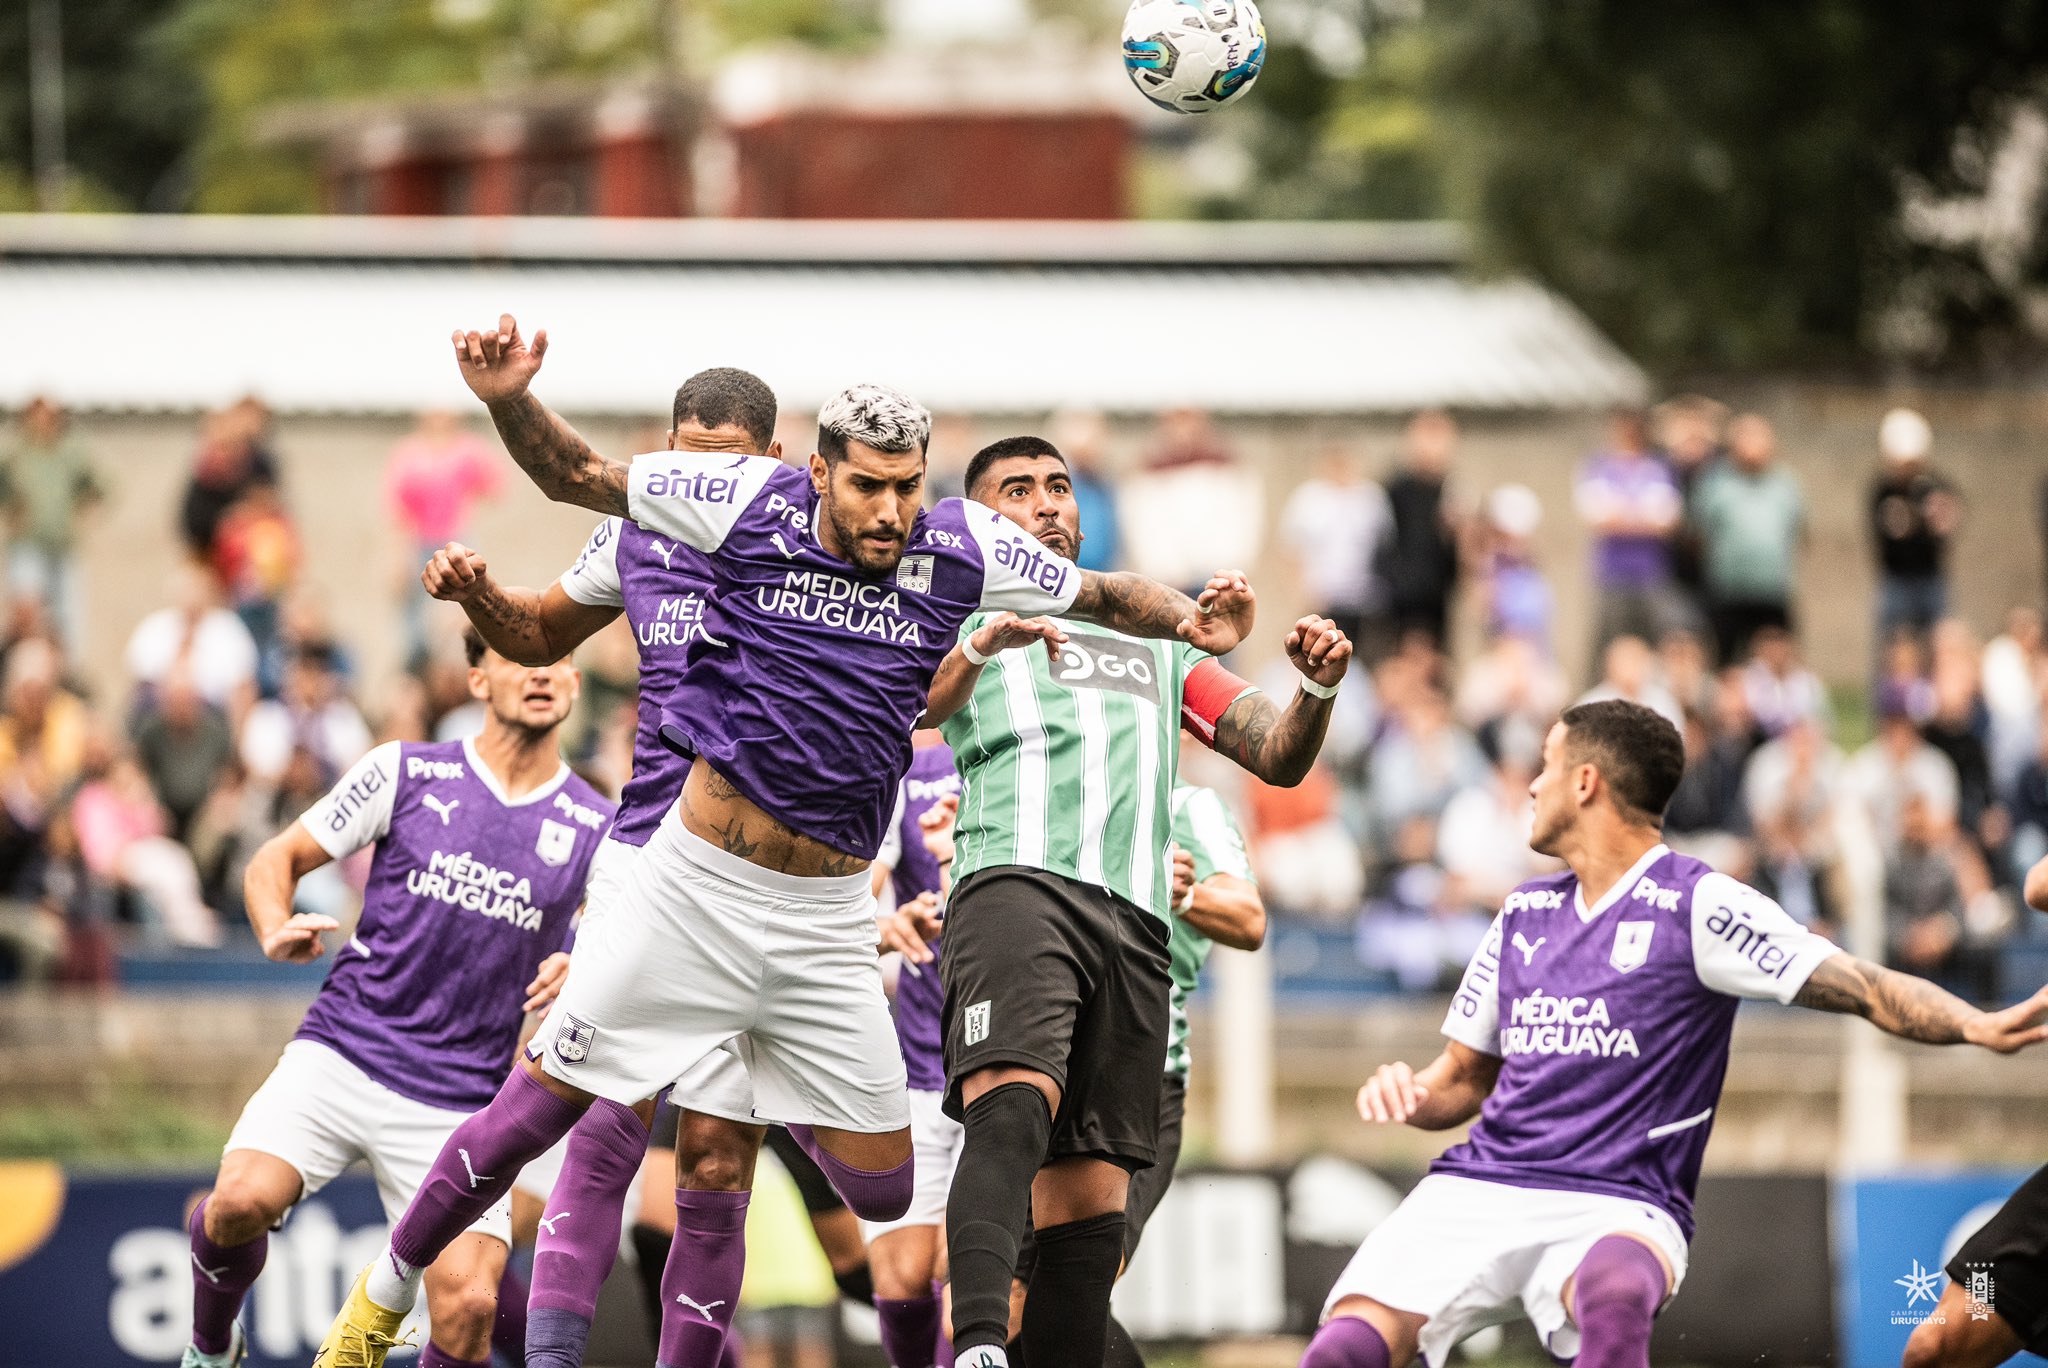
<point x="891" y="853"/>
<point x="1474" y="1018"/>
<point x="1745" y="945"/>
<point x="594" y="578"/>
<point x="1019" y="574"/>
<point x="357" y="810"/>
<point x="695" y="496"/>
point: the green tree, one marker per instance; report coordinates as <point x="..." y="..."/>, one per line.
<point x="1722" y="184"/>
<point x="131" y="112"/>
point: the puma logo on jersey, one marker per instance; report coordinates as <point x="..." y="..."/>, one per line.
<point x="782" y="546"/>
<point x="1528" y="948"/>
<point x="663" y="551"/>
<point x="474" y="1176"/>
<point x="212" y="1274"/>
<point x="701" y="1308"/>
<point x="440" y="808"/>
<point x="548" y="1222"/>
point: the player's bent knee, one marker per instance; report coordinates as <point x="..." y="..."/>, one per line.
<point x="237" y="1213"/>
<point x="716" y="1171"/>
<point x="984" y="1081"/>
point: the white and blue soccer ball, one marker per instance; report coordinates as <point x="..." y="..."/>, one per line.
<point x="1193" y="56"/>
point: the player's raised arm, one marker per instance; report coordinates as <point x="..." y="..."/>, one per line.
<point x="498" y="366"/>
<point x="1130" y="603"/>
<point x="1280" y="745"/>
<point x="1448" y="1092"/>
<point x="533" y="627"/>
<point x="1914" y="1009"/>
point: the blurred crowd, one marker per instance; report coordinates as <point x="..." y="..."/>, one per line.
<point x="129" y="807"/>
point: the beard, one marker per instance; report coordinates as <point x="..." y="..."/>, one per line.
<point x="862" y="554"/>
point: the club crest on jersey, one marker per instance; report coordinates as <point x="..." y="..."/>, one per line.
<point x="914" y="574"/>
<point x="573" y="1040"/>
<point x="1631" y="945"/>
<point x="976" y="1024"/>
<point x="556" y="842"/>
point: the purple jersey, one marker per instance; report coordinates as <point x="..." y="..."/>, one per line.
<point x="665" y="588"/>
<point x="1643" y="487"/>
<point x="468" y="893"/>
<point x="1612" y="1026"/>
<point x="919" y="996"/>
<point x="807" y="701"/>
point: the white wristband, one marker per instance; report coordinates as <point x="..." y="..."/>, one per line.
<point x="1187" y="903"/>
<point x="1309" y="686"/>
<point x="974" y="657"/>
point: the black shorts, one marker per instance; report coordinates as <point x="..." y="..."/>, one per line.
<point x="2012" y="1251"/>
<point x="1043" y="972"/>
<point x="1148" y="1186"/>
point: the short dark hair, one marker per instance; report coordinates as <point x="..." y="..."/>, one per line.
<point x="1636" y="749"/>
<point x="726" y="396"/>
<point x="473" y="647"/>
<point x="1005" y="449"/>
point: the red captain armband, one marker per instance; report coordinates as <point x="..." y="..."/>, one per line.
<point x="1207" y="695"/>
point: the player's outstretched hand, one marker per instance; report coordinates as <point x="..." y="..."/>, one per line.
<point x="1226" y="607"/>
<point x="2013" y="1029"/>
<point x="1391" y="1095"/>
<point x="911" y="929"/>
<point x="499" y="364"/>
<point x="1007" y="632"/>
<point x="547" y="982"/>
<point x="298" y="940"/>
<point x="1319" y="650"/>
<point x="455" y="573"/>
<point x="1183" y="879"/>
<point x="935" y="823"/>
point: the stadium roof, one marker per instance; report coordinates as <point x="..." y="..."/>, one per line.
<point x="352" y="315"/>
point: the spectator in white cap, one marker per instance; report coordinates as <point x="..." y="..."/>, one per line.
<point x="1913" y="515"/>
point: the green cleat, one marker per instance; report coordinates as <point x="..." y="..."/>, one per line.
<point x="238" y="1349"/>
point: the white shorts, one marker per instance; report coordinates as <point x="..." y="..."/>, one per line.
<point x="320" y="1113"/>
<point x="1469" y="1254"/>
<point x="935" y="1140"/>
<point x="702" y="948"/>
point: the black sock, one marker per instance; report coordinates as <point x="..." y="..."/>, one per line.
<point x="1123" y="1350"/>
<point x="857" y="1285"/>
<point x="650" y="1250"/>
<point x="989" y="1207"/>
<point x="1066" y="1317"/>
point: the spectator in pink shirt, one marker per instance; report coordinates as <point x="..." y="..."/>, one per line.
<point x="434" y="477"/>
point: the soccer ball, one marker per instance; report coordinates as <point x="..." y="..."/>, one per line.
<point x="1193" y="55"/>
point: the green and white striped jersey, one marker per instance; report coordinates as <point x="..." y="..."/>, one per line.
<point x="1204" y="828"/>
<point x="1069" y="767"/>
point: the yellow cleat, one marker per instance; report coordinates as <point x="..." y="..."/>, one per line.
<point x="362" y="1334"/>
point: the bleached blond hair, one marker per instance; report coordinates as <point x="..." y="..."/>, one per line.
<point x="875" y="416"/>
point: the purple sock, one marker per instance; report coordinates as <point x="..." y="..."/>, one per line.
<point x="910" y="1330"/>
<point x="221" y="1276"/>
<point x="434" y="1356"/>
<point x="1615" y="1295"/>
<point x="508" y="1327"/>
<point x="700" y="1286"/>
<point x="477" y="1165"/>
<point x="579" y="1235"/>
<point x="1346" y="1342"/>
<point x="732" y="1356"/>
<point x="872" y="1195"/>
<point x="942" y="1353"/>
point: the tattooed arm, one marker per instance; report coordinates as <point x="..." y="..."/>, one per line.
<point x="1279" y="746"/>
<point x="499" y="366"/>
<point x="526" y="626"/>
<point x="1141" y="607"/>
<point x="1914" y="1009"/>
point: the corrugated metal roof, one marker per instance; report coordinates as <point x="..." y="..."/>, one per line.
<point x="139" y="326"/>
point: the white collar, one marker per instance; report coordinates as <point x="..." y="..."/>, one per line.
<point x="1621" y="887"/>
<point x="490" y="780"/>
